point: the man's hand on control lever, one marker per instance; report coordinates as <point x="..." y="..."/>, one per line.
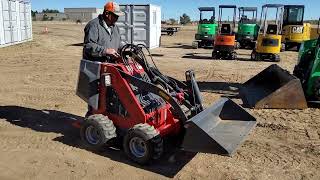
<point x="112" y="52"/>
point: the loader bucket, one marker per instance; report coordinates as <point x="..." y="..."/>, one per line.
<point x="273" y="88"/>
<point x="219" y="129"/>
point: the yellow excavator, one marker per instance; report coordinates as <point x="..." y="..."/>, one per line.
<point x="268" y="45"/>
<point x="294" y="31"/>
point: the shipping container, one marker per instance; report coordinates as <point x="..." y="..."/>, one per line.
<point x="141" y="24"/>
<point x="1" y="25"/>
<point x="15" y="22"/>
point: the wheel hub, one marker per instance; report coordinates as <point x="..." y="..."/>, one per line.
<point x="253" y="55"/>
<point x="92" y="135"/>
<point x="138" y="147"/>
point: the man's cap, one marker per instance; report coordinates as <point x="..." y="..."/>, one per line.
<point x="114" y="8"/>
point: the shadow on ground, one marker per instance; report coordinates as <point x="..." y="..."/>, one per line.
<point x="157" y="55"/>
<point x="181" y="46"/>
<point x="230" y="90"/>
<point x="198" y="56"/>
<point x="185" y="46"/>
<point x="59" y="122"/>
<point x="76" y="44"/>
<point x="205" y="56"/>
<point x="249" y="59"/>
<point x="244" y="59"/>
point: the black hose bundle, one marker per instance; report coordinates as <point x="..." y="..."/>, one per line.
<point x="153" y="72"/>
<point x="136" y="51"/>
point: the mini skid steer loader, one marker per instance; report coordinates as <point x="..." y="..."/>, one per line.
<point x="132" y="102"/>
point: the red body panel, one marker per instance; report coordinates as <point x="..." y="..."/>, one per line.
<point x="162" y="118"/>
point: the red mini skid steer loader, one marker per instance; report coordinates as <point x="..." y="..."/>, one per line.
<point x="131" y="100"/>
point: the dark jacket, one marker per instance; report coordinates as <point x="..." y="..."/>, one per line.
<point x="97" y="38"/>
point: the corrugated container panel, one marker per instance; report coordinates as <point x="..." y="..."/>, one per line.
<point x="6" y="21"/>
<point x="16" y="26"/>
<point x="155" y="26"/>
<point x="23" y="23"/>
<point x="1" y="25"/>
<point x="28" y="20"/>
<point x="141" y="24"/>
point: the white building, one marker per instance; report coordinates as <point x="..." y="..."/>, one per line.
<point x="51" y="17"/>
<point x="82" y="14"/>
<point x="15" y="22"/>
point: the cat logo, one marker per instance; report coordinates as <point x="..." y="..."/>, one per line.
<point x="297" y="29"/>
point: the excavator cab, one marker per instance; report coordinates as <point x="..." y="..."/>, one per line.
<point x="295" y="31"/>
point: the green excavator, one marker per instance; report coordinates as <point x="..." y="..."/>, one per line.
<point x="207" y="29"/>
<point x="247" y="27"/>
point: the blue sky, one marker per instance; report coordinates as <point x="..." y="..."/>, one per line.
<point x="175" y="8"/>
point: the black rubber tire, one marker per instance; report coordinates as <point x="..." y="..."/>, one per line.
<point x="277" y="58"/>
<point x="214" y="55"/>
<point x="316" y="89"/>
<point x="104" y="127"/>
<point x="298" y="47"/>
<point x="200" y="44"/>
<point x="253" y="55"/>
<point x="287" y="46"/>
<point x="218" y="55"/>
<point x="152" y="140"/>
<point x="253" y="45"/>
<point x="238" y="45"/>
<point x="233" y="56"/>
<point x="283" y="47"/>
<point x="242" y="46"/>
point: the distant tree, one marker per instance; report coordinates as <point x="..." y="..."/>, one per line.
<point x="312" y="21"/>
<point x="45" y="17"/>
<point x="33" y="13"/>
<point x="50" y="11"/>
<point x="172" y="21"/>
<point x="185" y="19"/>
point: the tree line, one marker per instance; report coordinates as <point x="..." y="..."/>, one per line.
<point x="33" y="13"/>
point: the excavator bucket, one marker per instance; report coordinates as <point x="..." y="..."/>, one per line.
<point x="219" y="129"/>
<point x="273" y="88"/>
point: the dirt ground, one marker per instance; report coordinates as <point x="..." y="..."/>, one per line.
<point x="38" y="104"/>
